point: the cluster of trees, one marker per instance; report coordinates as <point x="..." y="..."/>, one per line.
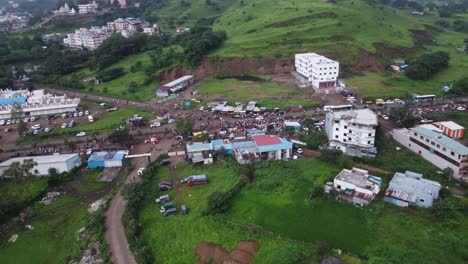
<point x="457" y="25"/>
<point x="185" y="126"/>
<point x="402" y="116"/>
<point x="427" y="65"/>
<point x="199" y="42"/>
<point x="460" y="87"/>
<point x="121" y="136"/>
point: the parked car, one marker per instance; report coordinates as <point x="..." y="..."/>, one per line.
<point x="166" y="206"/>
<point x="36" y="126"/>
<point x="461" y="108"/>
<point x="162" y="199"/>
<point x="170" y="211"/>
<point x="111" y="109"/>
<point x="170" y="121"/>
<point x="300" y="151"/>
<point x="26" y="119"/>
<point x="385" y="117"/>
<point x="155" y="124"/>
<point x="165" y="162"/>
<point x="71" y="123"/>
<point x="33" y="119"/>
<point x="81" y="134"/>
<point x="8" y="122"/>
<point x="86" y="112"/>
<point x="47" y="130"/>
<point x="165" y="183"/>
<point x="327" y="92"/>
<point x="75" y="114"/>
<point x="140" y="171"/>
<point x="2" y="122"/>
<point x="80" y="114"/>
<point x="164" y="187"/>
<point x="64" y="116"/>
<point x="64" y="125"/>
<point x="183" y="209"/>
<point x="90" y="119"/>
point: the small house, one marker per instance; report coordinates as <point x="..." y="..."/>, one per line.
<point x="272" y="147"/>
<point x="200" y="152"/>
<point x="410" y="189"/>
<point x="357" y="186"/>
<point x="107" y="159"/>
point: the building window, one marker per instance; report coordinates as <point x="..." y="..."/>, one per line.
<point x="427" y="140"/>
<point x="337" y="129"/>
<point x="368" y="142"/>
<point x="336" y="136"/>
<point x="336" y="121"/>
<point x="350" y="131"/>
<point x="421" y="137"/>
<point x="409" y="145"/>
<point x="421" y="200"/>
<point x="349" y="139"/>
<point x="432" y="143"/>
<point x="370" y="134"/>
<point x="345" y="134"/>
<point x="444" y="149"/>
<point x="452" y="153"/>
<point x="416" y="134"/>
<point x="438" y="145"/>
<point x="344" y="140"/>
<point x="345" y="127"/>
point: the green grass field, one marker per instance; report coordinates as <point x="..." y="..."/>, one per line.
<point x="53" y="239"/>
<point x="277" y="202"/>
<point x="266" y="93"/>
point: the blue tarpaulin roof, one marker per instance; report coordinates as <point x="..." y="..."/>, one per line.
<point x="13" y="100"/>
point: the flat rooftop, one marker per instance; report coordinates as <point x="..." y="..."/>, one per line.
<point x="41" y="159"/>
<point x="442" y="140"/>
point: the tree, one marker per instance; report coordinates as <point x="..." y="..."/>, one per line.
<point x="402" y="116"/>
<point x="22" y="128"/>
<point x="121" y="136"/>
<point x="330" y="155"/>
<point x="134" y="195"/>
<point x="316" y="139"/>
<point x="132" y="87"/>
<point x="22" y="172"/>
<point x="448" y="173"/>
<point x="443" y="209"/>
<point x="185" y="126"/>
<point x="460" y="87"/>
<point x="70" y="144"/>
<point x="427" y="65"/>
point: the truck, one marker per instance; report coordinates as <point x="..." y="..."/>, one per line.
<point x="162" y="199"/>
<point x="195" y="180"/>
<point x="170" y="211"/>
<point x="90" y="118"/>
<point x="166" y="206"/>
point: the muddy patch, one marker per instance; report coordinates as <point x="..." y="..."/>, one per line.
<point x="213" y="253"/>
<point x="334" y="38"/>
<point x="368" y="62"/>
<point x="249" y="78"/>
<point x="421" y="37"/>
<point x="230" y="67"/>
<point x="386" y="50"/>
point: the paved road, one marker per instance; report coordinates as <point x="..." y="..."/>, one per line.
<point x="115" y="231"/>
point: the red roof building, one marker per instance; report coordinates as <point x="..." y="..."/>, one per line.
<point x="266" y="140"/>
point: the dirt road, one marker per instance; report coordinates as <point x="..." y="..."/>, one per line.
<point x="115" y="230"/>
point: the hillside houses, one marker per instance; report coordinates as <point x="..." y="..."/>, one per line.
<point x="357" y="186"/>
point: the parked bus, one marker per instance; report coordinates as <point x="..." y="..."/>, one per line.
<point x="423" y="98"/>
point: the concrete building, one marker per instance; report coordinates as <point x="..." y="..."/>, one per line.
<point x="61" y="162"/>
<point x="182" y="29"/>
<point x="272" y="147"/>
<point x="436" y="148"/>
<point x="411" y="189"/>
<point x="107" y="159"/>
<point x="34" y="103"/>
<point x="175" y="86"/>
<point x="352" y="131"/>
<point x="91" y="7"/>
<point x="86" y="38"/>
<point x="155" y="30"/>
<point x="322" y="72"/>
<point x="357" y="186"/>
<point x="451" y="129"/>
<point x="200" y="152"/>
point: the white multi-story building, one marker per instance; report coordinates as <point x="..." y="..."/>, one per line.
<point x="35" y="103"/>
<point x="352" y="131"/>
<point x="88" y="8"/>
<point x="155" y="30"/>
<point x="436" y="148"/>
<point x="321" y="71"/>
<point x="88" y="38"/>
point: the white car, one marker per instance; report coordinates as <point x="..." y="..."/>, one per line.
<point x="327" y="92"/>
<point x="171" y="121"/>
<point x="64" y="116"/>
<point x="32" y="119"/>
<point x="46" y="130"/>
<point x="300" y="151"/>
<point x="8" y="122"/>
<point x="461" y="108"/>
<point x="155" y="124"/>
<point x="25" y="120"/>
<point x="36" y="126"/>
<point x="140" y="171"/>
<point x="75" y="114"/>
<point x="86" y="112"/>
<point x="385" y="117"/>
<point x="64" y="125"/>
<point x="2" y="122"/>
<point x="80" y="113"/>
<point x="81" y="134"/>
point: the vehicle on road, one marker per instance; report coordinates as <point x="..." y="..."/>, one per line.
<point x="163" y="199"/>
<point x="461" y="108"/>
<point x="90" y="119"/>
<point x="2" y="122"/>
<point x="80" y="114"/>
<point x="385" y="117"/>
<point x="47" y="130"/>
<point x="81" y="134"/>
<point x="36" y="126"/>
<point x="155" y="124"/>
<point x="64" y="125"/>
<point x="111" y="109"/>
<point x="327" y="92"/>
